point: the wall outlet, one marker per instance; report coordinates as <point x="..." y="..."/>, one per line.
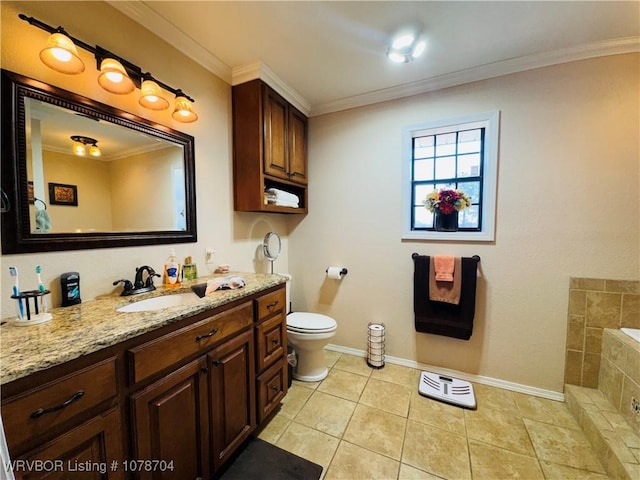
<point x="208" y="255"/>
<point x="635" y="405"/>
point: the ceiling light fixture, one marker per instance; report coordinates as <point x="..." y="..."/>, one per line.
<point x="117" y="75"/>
<point x="405" y="48"/>
<point x="80" y="146"/>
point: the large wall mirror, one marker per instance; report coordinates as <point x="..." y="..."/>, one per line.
<point x="79" y="174"/>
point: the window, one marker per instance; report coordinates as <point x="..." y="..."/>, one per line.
<point x="459" y="153"/>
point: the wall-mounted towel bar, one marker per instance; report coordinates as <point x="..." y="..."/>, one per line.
<point x="474" y="257"/>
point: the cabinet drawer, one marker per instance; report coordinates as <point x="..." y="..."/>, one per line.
<point x="272" y="387"/>
<point x="158" y="354"/>
<point x="43" y="408"/>
<point x="271" y="303"/>
<point x="271" y="339"/>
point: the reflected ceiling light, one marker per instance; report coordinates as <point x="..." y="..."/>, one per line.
<point x="80" y="146"/>
<point x="183" y="111"/>
<point x="114" y="78"/>
<point x="61" y="54"/>
<point x="405" y="48"/>
<point x="151" y="96"/>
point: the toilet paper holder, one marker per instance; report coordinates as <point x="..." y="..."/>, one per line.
<point x="344" y="271"/>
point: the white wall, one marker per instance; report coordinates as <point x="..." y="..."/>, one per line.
<point x="567" y="205"/>
<point x="234" y="236"/>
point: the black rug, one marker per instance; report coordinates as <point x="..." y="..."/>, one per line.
<point x="260" y="460"/>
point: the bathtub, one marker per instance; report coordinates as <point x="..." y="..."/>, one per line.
<point x="632" y="332"/>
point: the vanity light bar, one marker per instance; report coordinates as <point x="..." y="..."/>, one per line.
<point x="117" y="75"/>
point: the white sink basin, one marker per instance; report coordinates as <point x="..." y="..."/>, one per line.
<point x="158" y="303"/>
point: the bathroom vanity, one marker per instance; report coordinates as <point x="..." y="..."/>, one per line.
<point x="170" y="393"/>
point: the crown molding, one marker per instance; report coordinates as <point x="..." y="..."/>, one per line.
<point x="260" y="70"/>
<point x="158" y="25"/>
<point x="483" y="72"/>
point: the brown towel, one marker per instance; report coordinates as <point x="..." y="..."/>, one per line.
<point x="448" y="292"/>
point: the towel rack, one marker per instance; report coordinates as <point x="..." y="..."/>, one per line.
<point x="474" y="257"/>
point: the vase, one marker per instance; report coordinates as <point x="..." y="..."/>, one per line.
<point x="444" y="222"/>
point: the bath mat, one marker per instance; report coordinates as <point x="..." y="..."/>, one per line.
<point x="260" y="460"/>
<point x="447" y="389"/>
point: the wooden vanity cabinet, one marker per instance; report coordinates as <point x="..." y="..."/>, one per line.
<point x="185" y="396"/>
<point x="269" y="148"/>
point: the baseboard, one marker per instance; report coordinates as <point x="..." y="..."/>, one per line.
<point x="492" y="382"/>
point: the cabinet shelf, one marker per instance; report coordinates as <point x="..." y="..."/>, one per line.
<point x="269" y="148"/>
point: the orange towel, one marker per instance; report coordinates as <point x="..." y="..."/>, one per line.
<point x="448" y="292"/>
<point x="444" y="267"/>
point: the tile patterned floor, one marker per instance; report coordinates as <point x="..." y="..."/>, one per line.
<point x="362" y="423"/>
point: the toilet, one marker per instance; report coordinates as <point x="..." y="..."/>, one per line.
<point x="308" y="334"/>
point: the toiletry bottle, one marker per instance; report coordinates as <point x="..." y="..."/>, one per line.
<point x="172" y="273"/>
<point x="70" y="286"/>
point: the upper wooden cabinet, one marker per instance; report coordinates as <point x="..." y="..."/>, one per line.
<point x="269" y="148"/>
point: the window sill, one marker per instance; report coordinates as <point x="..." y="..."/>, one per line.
<point x="449" y="236"/>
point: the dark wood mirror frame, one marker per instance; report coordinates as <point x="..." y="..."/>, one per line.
<point x="16" y="228"/>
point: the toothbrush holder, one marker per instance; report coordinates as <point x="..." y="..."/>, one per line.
<point x="31" y="309"/>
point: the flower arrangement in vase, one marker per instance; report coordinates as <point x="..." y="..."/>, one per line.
<point x="445" y="205"/>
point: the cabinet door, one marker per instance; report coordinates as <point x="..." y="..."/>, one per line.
<point x="297" y="146"/>
<point x="170" y="421"/>
<point x="84" y="452"/>
<point x="275" y="134"/>
<point x="232" y="395"/>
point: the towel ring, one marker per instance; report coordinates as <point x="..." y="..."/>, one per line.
<point x="41" y="201"/>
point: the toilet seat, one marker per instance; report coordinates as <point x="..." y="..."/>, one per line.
<point x="305" y="322"/>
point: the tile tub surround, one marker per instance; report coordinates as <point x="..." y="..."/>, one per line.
<point x="351" y="425"/>
<point x="95" y="324"/>
<point x="619" y="379"/>
<point x="596" y="304"/>
<point x="611" y="437"/>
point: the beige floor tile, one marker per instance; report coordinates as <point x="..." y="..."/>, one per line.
<point x="308" y="443"/>
<point x="343" y="384"/>
<point x="352" y="462"/>
<point x="391" y="373"/>
<point x="327" y="413"/>
<point x="353" y="364"/>
<point x="496" y="398"/>
<point x="545" y="410"/>
<point x="498" y="428"/>
<point x="437" y="414"/>
<point x="553" y="470"/>
<point x="436" y="451"/>
<point x="273" y="430"/>
<point x="390" y="397"/>
<point x="407" y="472"/>
<point x="489" y="462"/>
<point x="309" y="385"/>
<point x="331" y="357"/>
<point x="294" y="400"/>
<point x="376" y="430"/>
<point x="562" y="445"/>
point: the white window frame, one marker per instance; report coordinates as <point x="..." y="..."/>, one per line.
<point x="491" y="122"/>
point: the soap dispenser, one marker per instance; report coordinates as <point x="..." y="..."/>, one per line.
<point x="172" y="272"/>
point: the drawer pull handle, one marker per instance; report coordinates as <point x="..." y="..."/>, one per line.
<point x="272" y="305"/>
<point x="41" y="411"/>
<point x="216" y="362"/>
<point x="275" y="341"/>
<point x="210" y="334"/>
<point x="275" y="389"/>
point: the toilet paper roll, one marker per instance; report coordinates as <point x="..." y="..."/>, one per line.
<point x="376" y="330"/>
<point x="335" y="272"/>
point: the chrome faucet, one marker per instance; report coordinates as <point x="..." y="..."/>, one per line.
<point x="139" y="286"/>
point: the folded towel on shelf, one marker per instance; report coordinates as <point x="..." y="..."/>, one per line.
<point x="225" y="283"/>
<point x="444" y="267"/>
<point x="283" y="203"/>
<point x="449" y="290"/>
<point x="282" y="195"/>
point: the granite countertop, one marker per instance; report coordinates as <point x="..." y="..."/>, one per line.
<point x="95" y="324"/>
